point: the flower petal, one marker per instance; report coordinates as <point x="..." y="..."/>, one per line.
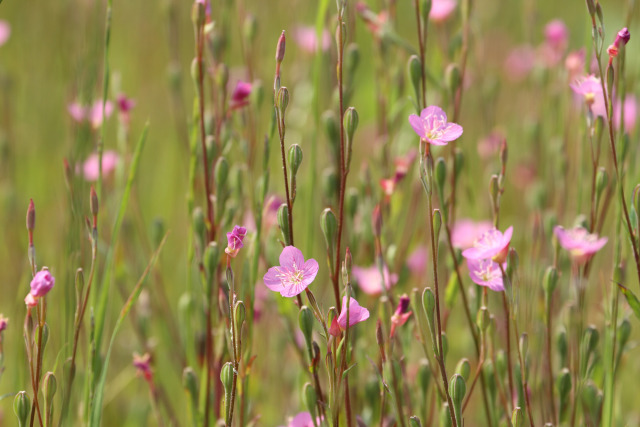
<point x="451" y="132"/>
<point x="271" y="279"/>
<point x="435" y="112"/>
<point x="417" y="125"/>
<point x="291" y="258"/>
<point x="309" y="271"/>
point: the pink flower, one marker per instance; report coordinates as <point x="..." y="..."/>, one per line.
<point x="4" y="322"/>
<point x="441" y="10"/>
<point x="465" y="232"/>
<point x="520" y="62"/>
<point x="574" y="63"/>
<point x="432" y="126"/>
<point x="590" y="89"/>
<point x="93" y="114"/>
<point x="307" y="40"/>
<point x="491" y="244"/>
<point x="403" y="163"/>
<point x="143" y="365"/>
<point x="375" y="22"/>
<point x="271" y="206"/>
<point x="556" y="34"/>
<point x="240" y="95"/>
<point x="630" y="108"/>
<point x="417" y="261"/>
<point x="5" y="32"/>
<point x="30" y="301"/>
<point x="91" y="165"/>
<point x="622" y="38"/>
<point x="125" y="104"/>
<point x="293" y="275"/>
<point x="369" y="279"/>
<point x="485" y="272"/>
<point x="303" y="419"/>
<point x="580" y="244"/>
<point x="42" y="283"/>
<point x="357" y="314"/>
<point x="401" y="315"/>
<point x="234" y="240"/>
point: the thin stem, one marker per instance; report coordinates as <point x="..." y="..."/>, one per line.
<point x="552" y="401"/>
<point x="505" y="305"/>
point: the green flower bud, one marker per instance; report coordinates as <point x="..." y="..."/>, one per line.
<point x="305" y="320"/>
<point x="482" y="318"/>
<point x="240" y="315"/>
<point x="211" y="259"/>
<point x="295" y="158"/>
<point x="517" y="418"/>
<point x="198" y="14"/>
<point x="22" y="408"/>
<point x="330" y="183"/>
<point x="563" y="384"/>
<point x="429" y="305"/>
<point x="283" y="222"/>
<point x="592" y="400"/>
<point x="624" y="331"/>
<point x="441" y="174"/>
<point x="351" y="60"/>
<point x="226" y="376"/>
<point x="282" y="100"/>
<point x="49" y="387"/>
<point x="445" y="417"/>
<point x="351" y="202"/>
<point x="221" y="171"/>
<point x="329" y="227"/>
<point x="459" y="162"/>
<point x="463" y="368"/>
<point x="445" y="345"/>
<point x="602" y="180"/>
<point x="332" y="130"/>
<point x="457" y="390"/>
<point x="550" y="281"/>
<point x="524" y="345"/>
<point x="249" y="28"/>
<point x="310" y="399"/>
<point x="190" y="383"/>
<point x="437" y="224"/>
<point x="415" y="76"/>
<point x="424" y="376"/>
<point x="199" y="226"/>
<point x="414" y="421"/>
<point x="425" y="8"/>
<point x="350" y="125"/>
<point x="222" y="76"/>
<point x="562" y="347"/>
<point x="452" y="78"/>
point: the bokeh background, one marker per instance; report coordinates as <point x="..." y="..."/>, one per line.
<point x="55" y="54"/>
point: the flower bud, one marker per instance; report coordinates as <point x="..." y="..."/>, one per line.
<point x="437" y="225"/>
<point x="221" y="172"/>
<point x="240" y="313"/>
<point x="563" y="384"/>
<point x="249" y="28"/>
<point x="330" y="183"/>
<point x="49" y="387"/>
<point x="332" y="130"/>
<point x="482" y="318"/>
<point x="198" y="14"/>
<point x="622" y="38"/>
<point x="31" y="216"/>
<point x="424" y="376"/>
<point x="463" y="368"/>
<point x="441" y="174"/>
<point x="592" y="399"/>
<point x="295" y="158"/>
<point x="283" y="222"/>
<point x="93" y="202"/>
<point x="211" y="259"/>
<point x="562" y="347"/>
<point x="459" y="161"/>
<point x="22" y="408"/>
<point x="624" y="331"/>
<point x="350" y="125"/>
<point x="199" y="225"/>
<point x="550" y="281"/>
<point x="517" y="418"/>
<point x="429" y="305"/>
<point x="282" y="100"/>
<point x="226" y="376"/>
<point x="280" y="48"/>
<point x="415" y="76"/>
<point x="452" y="78"/>
<point x="445" y="417"/>
<point x="305" y="320"/>
<point x="329" y="226"/>
<point x="190" y="383"/>
<point x="310" y="399"/>
<point x="414" y="421"/>
<point x="602" y="180"/>
<point x="457" y="390"/>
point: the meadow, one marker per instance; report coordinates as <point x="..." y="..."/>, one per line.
<point x="319" y="213"/>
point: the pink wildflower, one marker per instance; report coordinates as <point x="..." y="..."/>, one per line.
<point x="143" y="365"/>
<point x="630" y="109"/>
<point x="622" y="38"/>
<point x="303" y="419"/>
<point x="441" y="10"/>
<point x="465" y="232"/>
<point x="91" y="165"/>
<point x="491" y="244"/>
<point x="485" y="272"/>
<point x="433" y="127"/>
<point x="574" y="63"/>
<point x="417" y="261"/>
<point x="95" y="114"/>
<point x="293" y="275"/>
<point x="30" y="301"/>
<point x="234" y="240"/>
<point x="401" y="315"/>
<point x="520" y="62"/>
<point x="375" y="22"/>
<point x="580" y="244"/>
<point x="77" y="111"/>
<point x="270" y="213"/>
<point x="4" y="322"/>
<point x="5" y="32"/>
<point x="240" y="95"/>
<point x="357" y="314"/>
<point x="306" y="38"/>
<point x="125" y="105"/>
<point x="590" y="89"/>
<point x="369" y="280"/>
<point x="42" y="283"/>
<point x="556" y="34"/>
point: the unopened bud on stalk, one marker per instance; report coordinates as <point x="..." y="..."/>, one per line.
<point x="282" y="100"/>
<point x="592" y="399"/>
<point x="195" y="72"/>
<point x="226" y="377"/>
<point x="249" y="28"/>
<point x="295" y="158"/>
<point x="429" y="306"/>
<point x="199" y="225"/>
<point x="305" y="321"/>
<point x="330" y="183"/>
<point x="329" y="227"/>
<point x="93" y="202"/>
<point x="445" y="418"/>
<point x="221" y="172"/>
<point x="550" y="280"/>
<point x="590" y="339"/>
<point x="457" y="390"/>
<point x="494" y="188"/>
<point x="332" y="130"/>
<point x="350" y="125"/>
<point x="517" y="418"/>
<point x="437" y="225"/>
<point x="424" y="376"/>
<point x="452" y="78"/>
<point x="22" y="408"/>
<point x="240" y="315"/>
<point x="624" y="331"/>
<point x="310" y="399"/>
<point x="463" y="368"/>
<point x="283" y="222"/>
<point x="211" y="259"/>
<point x="425" y="8"/>
<point x="562" y="347"/>
<point x="459" y="161"/>
<point x="563" y="384"/>
<point x="513" y="260"/>
<point x="351" y="60"/>
<point x="190" y="383"/>
<point x="31" y="216"/>
<point x="414" y="421"/>
<point x="415" y="76"/>
<point x="482" y="318"/>
<point x="49" y="386"/>
<point x="445" y="345"/>
<point x="198" y="14"/>
<point x="441" y="173"/>
<point x="591" y="7"/>
<point x="280" y="48"/>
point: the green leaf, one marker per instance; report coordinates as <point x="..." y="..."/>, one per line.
<point x="631" y="299"/>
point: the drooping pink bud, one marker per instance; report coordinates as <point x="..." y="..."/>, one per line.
<point x="622" y="38"/>
<point x="280" y="48"/>
<point x="42" y="283"/>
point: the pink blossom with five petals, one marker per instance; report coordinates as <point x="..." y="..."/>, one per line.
<point x="492" y="245"/>
<point x="432" y="126"/>
<point x="293" y="275"/>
